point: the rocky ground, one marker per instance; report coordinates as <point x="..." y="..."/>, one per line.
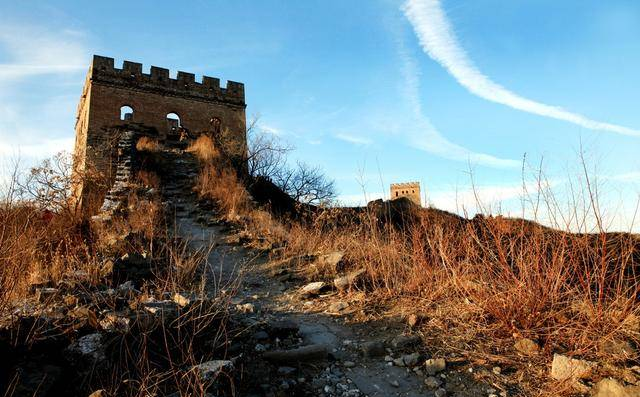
<point x="300" y="339"/>
<point x="270" y="332"/>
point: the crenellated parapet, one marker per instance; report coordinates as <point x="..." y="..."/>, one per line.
<point x="185" y="85"/>
<point x="405" y="185"/>
<point x="410" y="190"/>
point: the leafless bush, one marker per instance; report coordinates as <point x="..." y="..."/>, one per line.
<point x="268" y="158"/>
<point x="306" y="184"/>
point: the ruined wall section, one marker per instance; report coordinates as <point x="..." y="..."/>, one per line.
<point x="152" y="96"/>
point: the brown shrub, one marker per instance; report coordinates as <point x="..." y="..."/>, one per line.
<point x="204" y="149"/>
<point x="147" y="144"/>
<point x="223" y="186"/>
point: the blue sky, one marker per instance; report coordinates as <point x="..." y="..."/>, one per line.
<point x="442" y="92"/>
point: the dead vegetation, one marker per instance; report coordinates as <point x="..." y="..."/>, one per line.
<point x="65" y="284"/>
<point x="479" y="285"/>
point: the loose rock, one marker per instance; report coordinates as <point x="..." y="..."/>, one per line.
<point x="432" y="382"/>
<point x="343" y="282"/>
<point x="612" y="388"/>
<point x="209" y="370"/>
<point x="434" y="365"/>
<point x="402" y="341"/>
<point x="564" y="368"/>
<point x="527" y="346"/>
<point x="301" y="354"/>
<point x="312" y="288"/>
<point x="373" y="349"/>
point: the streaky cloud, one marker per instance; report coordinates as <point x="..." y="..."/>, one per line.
<point x="423" y="134"/>
<point x="438" y="40"/>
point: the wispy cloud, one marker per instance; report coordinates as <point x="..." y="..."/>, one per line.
<point x="422" y="134"/>
<point x="356" y="140"/>
<point x="269" y="129"/>
<point x="439" y="41"/>
<point x="30" y="50"/>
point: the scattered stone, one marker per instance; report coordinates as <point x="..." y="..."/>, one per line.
<point x="184" y="298"/>
<point x="165" y="308"/>
<point x="246" y="308"/>
<point x="301" y="354"/>
<point x="330" y="260"/>
<point x="440" y="392"/>
<point x="402" y="341"/>
<point x="619" y="349"/>
<point x="609" y="387"/>
<point x="527" y="347"/>
<point x="338" y="307"/>
<point x="373" y="349"/>
<point x="344" y="282"/>
<point x="432" y="382"/>
<point x="565" y="368"/>
<point x="312" y="288"/>
<point x="411" y="360"/>
<point x="209" y="370"/>
<point x="348" y="364"/>
<point x="115" y="322"/>
<point x="434" y="365"/>
<point x="89" y="348"/>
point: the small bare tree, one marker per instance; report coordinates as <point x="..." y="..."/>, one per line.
<point x="306" y="184"/>
<point x="267" y="158"/>
<point x="49" y="185"/>
<point x="267" y="154"/>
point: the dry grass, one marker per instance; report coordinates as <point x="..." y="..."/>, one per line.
<point x="38" y="245"/>
<point x="222" y="186"/>
<point x="204" y="148"/>
<point x="557" y="287"/>
<point x="484" y="282"/>
<point x="147" y="144"/>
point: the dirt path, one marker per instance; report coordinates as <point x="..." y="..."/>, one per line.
<point x="353" y="367"/>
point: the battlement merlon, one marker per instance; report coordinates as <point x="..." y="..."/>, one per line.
<point x="130" y="75"/>
<point x="405" y="185"/>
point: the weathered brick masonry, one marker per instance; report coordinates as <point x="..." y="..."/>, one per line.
<point x="203" y="107"/>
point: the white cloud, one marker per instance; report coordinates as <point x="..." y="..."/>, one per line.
<point x="356" y="140"/>
<point x="269" y="129"/>
<point x="423" y="135"/>
<point x="32" y="51"/>
<point x="439" y="41"/>
<point x="633" y="176"/>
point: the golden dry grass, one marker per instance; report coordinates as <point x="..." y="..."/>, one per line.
<point x="147" y="144"/>
<point x="563" y="289"/>
<point x="204" y="148"/>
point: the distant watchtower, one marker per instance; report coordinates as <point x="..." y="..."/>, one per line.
<point x="113" y="99"/>
<point x="410" y="190"/>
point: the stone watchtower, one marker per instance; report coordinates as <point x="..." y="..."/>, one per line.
<point x="114" y="99"/>
<point x="410" y="190"/>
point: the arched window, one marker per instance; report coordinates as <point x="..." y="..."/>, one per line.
<point x="126" y="113"/>
<point x="173" y="121"/>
